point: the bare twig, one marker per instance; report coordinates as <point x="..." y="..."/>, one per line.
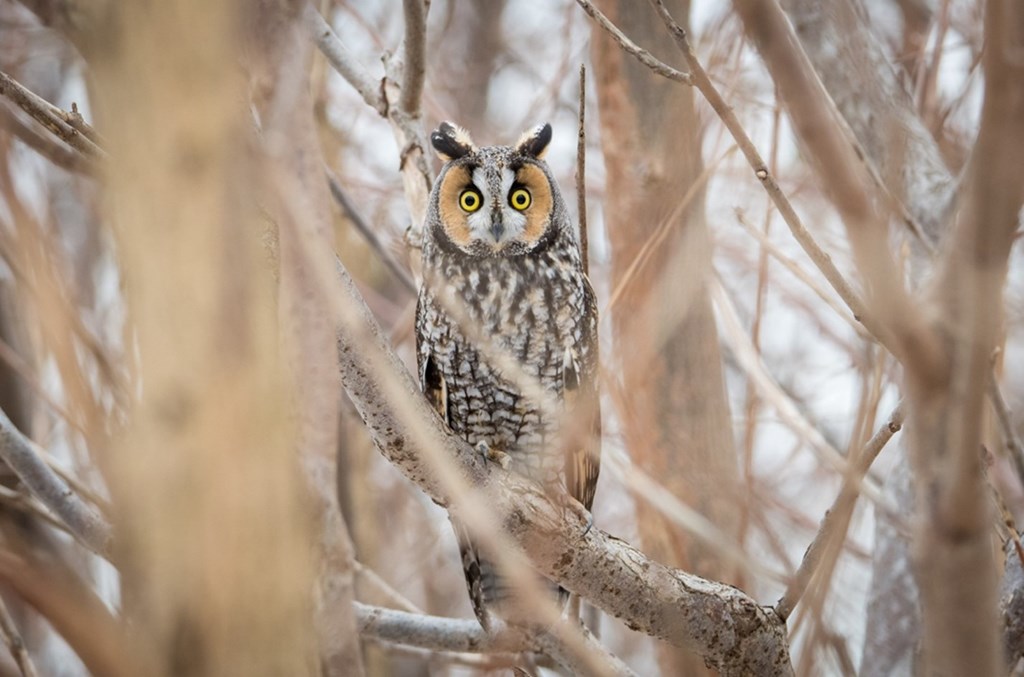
<point x="1006" y="427"/>
<point x="12" y="638"/>
<point x="47" y="115"/>
<point x="382" y="586"/>
<point x="770" y="248"/>
<point x="833" y="526"/>
<point x="54" y="151"/>
<point x="342" y="60"/>
<point x="750" y="361"/>
<point x="450" y="634"/>
<point x="88" y="526"/>
<point x="899" y="322"/>
<point x="405" y="115"/>
<point x="76" y="121"/>
<point x="29" y="505"/>
<point x="369" y="234"/>
<point x="581" y="172"/>
<point x="414" y="56"/>
<point x="641" y="54"/>
<point x="818" y="256"/>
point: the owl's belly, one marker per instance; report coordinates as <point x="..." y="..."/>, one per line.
<point x="484" y="406"/>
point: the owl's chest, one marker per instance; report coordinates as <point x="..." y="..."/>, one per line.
<point x="509" y="318"/>
<point x="498" y="336"/>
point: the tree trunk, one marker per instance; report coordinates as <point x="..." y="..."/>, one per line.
<point x="673" y="403"/>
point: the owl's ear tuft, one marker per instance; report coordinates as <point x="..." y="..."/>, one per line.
<point x="535" y="142"/>
<point x="451" y="142"/>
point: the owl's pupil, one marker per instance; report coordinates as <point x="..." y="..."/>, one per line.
<point x="520" y="199"/>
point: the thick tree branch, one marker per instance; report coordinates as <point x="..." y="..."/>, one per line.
<point x="414" y="56"/>
<point x="87" y="525"/>
<point x="722" y="624"/>
<point x="301" y="207"/>
<point x="428" y="632"/>
<point x="954" y="560"/>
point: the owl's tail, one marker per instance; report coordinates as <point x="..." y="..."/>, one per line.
<point x="490" y="593"/>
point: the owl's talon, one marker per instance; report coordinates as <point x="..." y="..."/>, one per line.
<point x="493" y="455"/>
<point x="590" y="524"/>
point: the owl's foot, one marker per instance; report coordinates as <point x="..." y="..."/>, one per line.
<point x="590" y="524"/>
<point x="493" y="455"/>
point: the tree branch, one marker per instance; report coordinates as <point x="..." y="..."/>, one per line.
<point x="631" y="48"/>
<point x="405" y="116"/>
<point x="833" y="527"/>
<point x="581" y="173"/>
<point x="48" y="115"/>
<point x="436" y="633"/>
<point x="900" y="323"/>
<point x="369" y="234"/>
<point x="47" y="146"/>
<point x="342" y="60"/>
<point x="428" y="632"/>
<point x="14" y="642"/>
<point x="87" y="525"/>
<point x="413" y="56"/>
<point x="684" y="610"/>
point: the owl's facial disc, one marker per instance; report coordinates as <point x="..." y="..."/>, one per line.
<point x="489" y="208"/>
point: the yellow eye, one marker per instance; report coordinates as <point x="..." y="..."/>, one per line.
<point x="470" y="200"/>
<point x="519" y="199"/>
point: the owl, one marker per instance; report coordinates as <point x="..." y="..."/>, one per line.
<point x="506" y="327"/>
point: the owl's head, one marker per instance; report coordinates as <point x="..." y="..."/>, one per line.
<point x="496" y="200"/>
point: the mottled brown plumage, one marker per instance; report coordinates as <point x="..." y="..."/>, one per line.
<point x="506" y="325"/>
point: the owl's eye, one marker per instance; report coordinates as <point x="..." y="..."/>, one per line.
<point x="519" y="199"/>
<point x="470" y="200"/>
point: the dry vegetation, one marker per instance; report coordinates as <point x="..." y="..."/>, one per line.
<point x="801" y="222"/>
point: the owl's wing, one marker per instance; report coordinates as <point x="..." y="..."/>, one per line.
<point x="432" y="382"/>
<point x="583" y="409"/>
<point x="435" y="388"/>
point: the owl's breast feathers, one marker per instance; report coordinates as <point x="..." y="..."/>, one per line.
<point x="535" y="315"/>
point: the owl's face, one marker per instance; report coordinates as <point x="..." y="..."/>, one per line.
<point x="492" y="201"/>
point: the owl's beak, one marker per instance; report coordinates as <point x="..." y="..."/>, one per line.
<point x="497" y="227"/>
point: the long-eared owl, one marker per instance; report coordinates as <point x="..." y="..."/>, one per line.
<point x="506" y="326"/>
